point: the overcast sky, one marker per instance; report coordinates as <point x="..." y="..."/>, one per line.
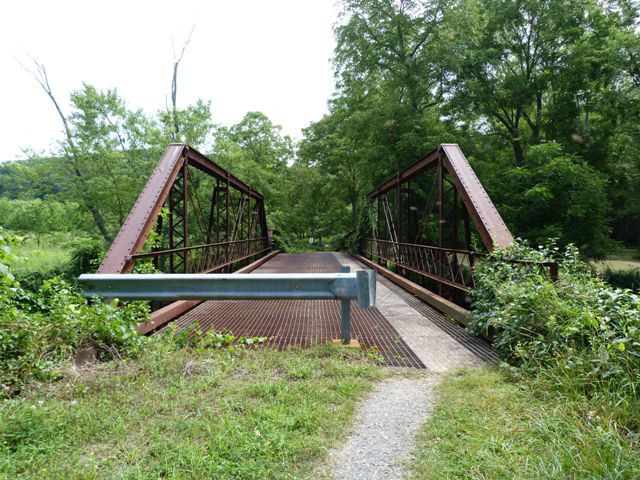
<point x="272" y="56"/>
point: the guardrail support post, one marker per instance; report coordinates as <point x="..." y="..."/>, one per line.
<point x="345" y="323"/>
<point x="345" y="318"/>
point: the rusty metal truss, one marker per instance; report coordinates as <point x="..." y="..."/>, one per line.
<point x="191" y="217"/>
<point x="433" y="222"/>
<point x="430" y="221"/>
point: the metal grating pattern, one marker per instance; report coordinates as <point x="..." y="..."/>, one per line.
<point x="302" y="322"/>
<point x="475" y="345"/>
<point x="301" y="263"/>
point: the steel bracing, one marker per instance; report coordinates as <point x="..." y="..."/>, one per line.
<point x="191" y="217"/>
<point x="433" y="221"/>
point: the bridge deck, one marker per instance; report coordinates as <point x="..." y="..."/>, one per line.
<point x="391" y="327"/>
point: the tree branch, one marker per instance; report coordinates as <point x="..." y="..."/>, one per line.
<point x="174" y="81"/>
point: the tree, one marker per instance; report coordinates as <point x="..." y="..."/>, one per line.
<point x="388" y="44"/>
<point x="70" y="150"/>
<point x="174" y="86"/>
<point x="255" y="150"/>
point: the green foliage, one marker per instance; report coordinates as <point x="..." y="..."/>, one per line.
<point x="56" y="255"/>
<point x="32" y="280"/>
<point x="255" y="150"/>
<point x="194" y="123"/>
<point x="580" y="329"/>
<point x="624" y="278"/>
<point x="85" y="257"/>
<point x="193" y="336"/>
<point x="41" y="330"/>
<point x="556" y="196"/>
<point x="40" y="217"/>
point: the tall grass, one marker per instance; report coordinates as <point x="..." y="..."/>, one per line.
<point x="490" y="425"/>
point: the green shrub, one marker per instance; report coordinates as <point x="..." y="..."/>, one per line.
<point x="585" y="331"/>
<point x="41" y="330"/>
<point x="338" y="243"/>
<point x="32" y="280"/>
<point x="624" y="278"/>
<point x="85" y="257"/>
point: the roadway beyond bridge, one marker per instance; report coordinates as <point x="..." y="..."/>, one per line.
<point x="405" y="331"/>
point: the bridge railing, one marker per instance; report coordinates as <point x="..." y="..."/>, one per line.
<point x="447" y="266"/>
<point x="359" y="285"/>
<point x="205" y="258"/>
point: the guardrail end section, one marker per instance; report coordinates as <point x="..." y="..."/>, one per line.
<point x="366" y="288"/>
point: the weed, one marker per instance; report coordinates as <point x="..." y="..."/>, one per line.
<point x="579" y="330"/>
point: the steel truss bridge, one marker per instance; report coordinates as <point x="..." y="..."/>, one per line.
<point x="428" y="227"/>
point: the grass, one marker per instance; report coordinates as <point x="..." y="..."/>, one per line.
<point x="46" y="256"/>
<point x="486" y="426"/>
<point x="187" y="414"/>
<point x="625" y="259"/>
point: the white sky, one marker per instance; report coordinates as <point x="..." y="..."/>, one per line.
<point x="271" y="55"/>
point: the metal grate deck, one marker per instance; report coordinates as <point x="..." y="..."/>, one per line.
<point x="302" y="322"/>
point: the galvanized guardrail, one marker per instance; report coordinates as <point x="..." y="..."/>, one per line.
<point x="346" y="286"/>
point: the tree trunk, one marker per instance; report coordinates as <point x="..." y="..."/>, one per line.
<point x="518" y="151"/>
<point x="72" y="151"/>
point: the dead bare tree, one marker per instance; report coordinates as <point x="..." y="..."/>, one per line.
<point x="174" y="82"/>
<point x="71" y="150"/>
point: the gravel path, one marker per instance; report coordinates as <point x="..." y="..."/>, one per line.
<point x="388" y="420"/>
<point x="385" y="430"/>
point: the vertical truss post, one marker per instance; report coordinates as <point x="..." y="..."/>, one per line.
<point x="263" y="222"/>
<point x="455" y="218"/>
<point x="398" y="221"/>
<point x="408" y="210"/>
<point x="379" y="220"/>
<point x="171" y="239"/>
<point x="441" y="221"/>
<point x="185" y="213"/>
<point x="177" y="220"/>
<point x="226" y="222"/>
<point x="156" y="260"/>
<point x="455" y="263"/>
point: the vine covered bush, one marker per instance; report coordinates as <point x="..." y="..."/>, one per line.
<point x="41" y="330"/>
<point x="581" y="327"/>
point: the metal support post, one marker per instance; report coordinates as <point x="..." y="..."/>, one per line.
<point x="345" y="322"/>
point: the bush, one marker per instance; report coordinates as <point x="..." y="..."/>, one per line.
<point x="85" y="257"/>
<point x="40" y="330"/>
<point x="624" y="278"/>
<point x="32" y="280"/>
<point x="584" y="330"/>
<point x="556" y="195"/>
<point x="338" y="243"/>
